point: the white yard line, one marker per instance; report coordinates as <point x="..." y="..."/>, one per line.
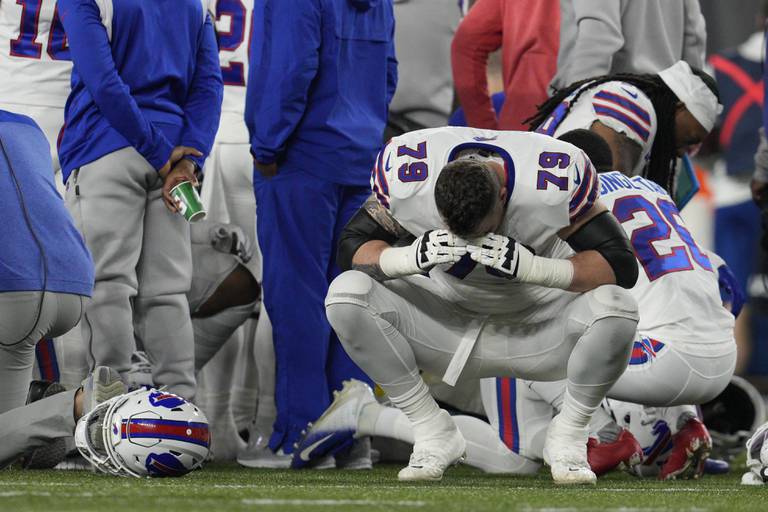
<point x="331" y="503"/>
<point x="615" y="509"/>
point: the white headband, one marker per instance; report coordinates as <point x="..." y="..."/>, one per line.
<point x="700" y="101"/>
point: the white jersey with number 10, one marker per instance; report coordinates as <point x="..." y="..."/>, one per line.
<point x="34" y="56"/>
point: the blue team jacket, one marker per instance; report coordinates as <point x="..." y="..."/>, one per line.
<point x="322" y="74"/>
<point x="146" y="74"/>
<point x="26" y="174"/>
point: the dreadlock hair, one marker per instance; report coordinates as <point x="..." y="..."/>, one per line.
<point x="465" y="193"/>
<point x="663" y="162"/>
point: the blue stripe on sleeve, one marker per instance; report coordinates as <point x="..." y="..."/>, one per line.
<point x="623" y="118"/>
<point x="624" y="102"/>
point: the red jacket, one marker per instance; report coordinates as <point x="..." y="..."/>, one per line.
<point x="528" y="33"/>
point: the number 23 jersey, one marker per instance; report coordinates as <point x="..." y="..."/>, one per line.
<point x="549" y="183"/>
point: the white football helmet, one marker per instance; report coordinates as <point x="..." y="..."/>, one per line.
<point x="757" y="456"/>
<point x="650" y="426"/>
<point x="145" y="433"/>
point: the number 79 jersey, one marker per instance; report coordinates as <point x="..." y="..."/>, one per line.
<point x="550" y="184"/>
<point x="34" y="57"/>
<point x="677" y="288"/>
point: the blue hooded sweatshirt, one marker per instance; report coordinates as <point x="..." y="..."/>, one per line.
<point x="41" y="248"/>
<point x="322" y="74"/>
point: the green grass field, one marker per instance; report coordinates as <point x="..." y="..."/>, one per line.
<point x="228" y="487"/>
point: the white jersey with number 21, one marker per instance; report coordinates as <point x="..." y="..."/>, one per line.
<point x="550" y="184"/>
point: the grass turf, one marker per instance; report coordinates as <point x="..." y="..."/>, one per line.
<point x="229" y="487"/>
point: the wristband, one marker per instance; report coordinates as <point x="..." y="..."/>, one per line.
<point x="548" y="272"/>
<point x="398" y="261"/>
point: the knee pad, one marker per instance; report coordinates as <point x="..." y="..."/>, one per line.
<point x="351" y="287"/>
<point x="347" y="303"/>
<point x="612" y="301"/>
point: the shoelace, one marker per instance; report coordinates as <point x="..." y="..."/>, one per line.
<point x="424" y="458"/>
<point x="140" y="363"/>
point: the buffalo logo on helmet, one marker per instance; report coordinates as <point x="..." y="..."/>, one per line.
<point x="167" y="400"/>
<point x="164" y="464"/>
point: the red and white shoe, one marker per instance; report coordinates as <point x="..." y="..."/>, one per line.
<point x="690" y="450"/>
<point x="604" y="457"/>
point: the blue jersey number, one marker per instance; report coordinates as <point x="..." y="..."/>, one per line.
<point x="234" y="73"/>
<point x="664" y="221"/>
<point x="26" y="45"/>
<point x="415" y="171"/>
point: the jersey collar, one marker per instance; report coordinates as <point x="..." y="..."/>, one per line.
<point x="509" y="164"/>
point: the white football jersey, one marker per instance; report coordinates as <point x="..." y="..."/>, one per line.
<point x="618" y="105"/>
<point x="550" y="184"/>
<point x="233" y="19"/>
<point x="34" y="56"/>
<point x="677" y="289"/>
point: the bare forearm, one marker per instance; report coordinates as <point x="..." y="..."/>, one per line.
<point x="366" y="259"/>
<point x="590" y="270"/>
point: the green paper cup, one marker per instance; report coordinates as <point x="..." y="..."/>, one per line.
<point x="188" y="201"/>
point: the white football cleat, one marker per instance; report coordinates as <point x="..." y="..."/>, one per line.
<point x="432" y="456"/>
<point x="565" y="451"/>
<point x="334" y="431"/>
<point x="256" y="454"/>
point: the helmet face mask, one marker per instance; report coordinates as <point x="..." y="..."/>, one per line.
<point x="757" y="453"/>
<point x="144" y="433"/>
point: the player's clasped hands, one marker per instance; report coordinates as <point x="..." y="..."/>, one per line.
<point x="501" y="253"/>
<point x="434" y="247"/>
<point x="437" y="247"/>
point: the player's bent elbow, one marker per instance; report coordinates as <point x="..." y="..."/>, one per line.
<point x="625" y="269"/>
<point x="604" y="234"/>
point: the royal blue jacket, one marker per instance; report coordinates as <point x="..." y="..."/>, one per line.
<point x="146" y="74"/>
<point x="322" y="74"/>
<point x="41" y="248"/>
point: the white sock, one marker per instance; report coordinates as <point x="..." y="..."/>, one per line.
<point x="574" y="413"/>
<point x="382" y="421"/>
<point x="265" y="414"/>
<point x="418" y="405"/>
<point x="244" y="405"/>
<point x="487" y="452"/>
<point x="212" y="332"/>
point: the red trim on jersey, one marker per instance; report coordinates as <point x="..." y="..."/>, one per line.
<point x="508" y="431"/>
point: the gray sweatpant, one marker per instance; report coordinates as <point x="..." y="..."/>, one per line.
<point x="35" y="425"/>
<point x="24" y="320"/>
<point x="143" y="265"/>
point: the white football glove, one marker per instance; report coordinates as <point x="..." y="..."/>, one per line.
<point x="516" y="261"/>
<point x="230" y="239"/>
<point x="432" y="248"/>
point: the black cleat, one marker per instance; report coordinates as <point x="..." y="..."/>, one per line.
<point x="48" y="456"/>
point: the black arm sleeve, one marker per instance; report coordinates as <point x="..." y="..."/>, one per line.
<point x="604" y="234"/>
<point x="361" y="228"/>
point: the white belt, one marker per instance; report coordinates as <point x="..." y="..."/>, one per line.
<point x="460" y="357"/>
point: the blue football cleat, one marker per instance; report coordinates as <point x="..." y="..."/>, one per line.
<point x="335" y="430"/>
